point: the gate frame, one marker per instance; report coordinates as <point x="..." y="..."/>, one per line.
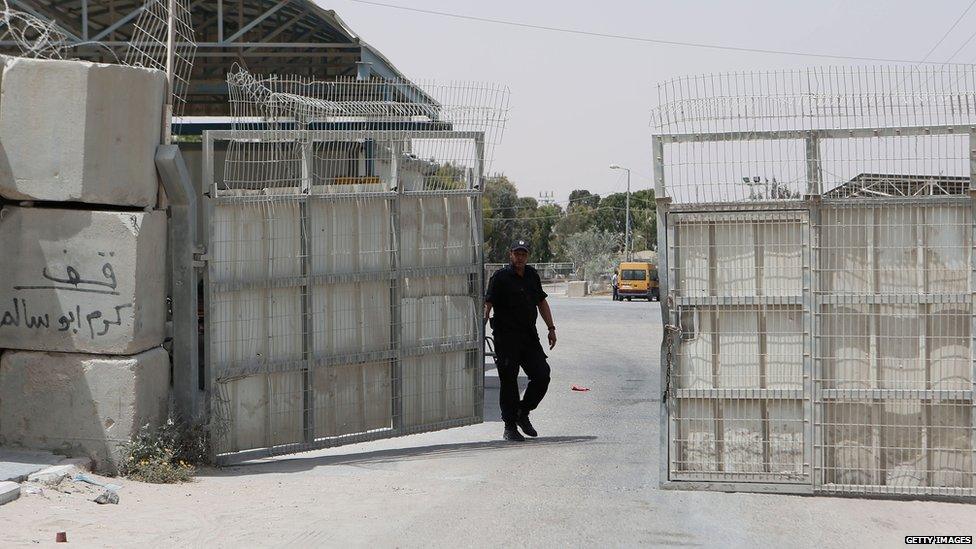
<point x="474" y="349"/>
<point x="811" y="202"/>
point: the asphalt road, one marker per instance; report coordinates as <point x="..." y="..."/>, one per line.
<point x="590" y="479"/>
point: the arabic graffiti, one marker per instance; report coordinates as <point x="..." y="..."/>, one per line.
<point x="73" y="281"/>
<point x="90" y="319"/>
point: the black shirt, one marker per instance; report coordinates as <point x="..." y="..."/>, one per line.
<point x="515" y="300"/>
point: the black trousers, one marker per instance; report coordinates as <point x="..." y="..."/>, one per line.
<point x="512" y="353"/>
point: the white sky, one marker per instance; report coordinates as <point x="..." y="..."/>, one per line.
<point x="580" y="103"/>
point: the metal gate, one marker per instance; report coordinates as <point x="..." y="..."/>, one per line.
<point x="819" y="230"/>
<point x="345" y="307"/>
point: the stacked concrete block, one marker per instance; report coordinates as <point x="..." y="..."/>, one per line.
<point x="84" y="281"/>
<point x="79" y="132"/>
<point x="83" y="307"/>
<point x="80" y="404"/>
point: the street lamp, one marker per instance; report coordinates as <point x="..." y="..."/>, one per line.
<point x="627" y="222"/>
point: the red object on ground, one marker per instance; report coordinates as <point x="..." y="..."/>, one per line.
<point x="578" y="388"/>
<point x="62" y="537"/>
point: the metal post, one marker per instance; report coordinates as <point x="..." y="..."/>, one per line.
<point x="478" y="183"/>
<point x="665" y="456"/>
<point x="182" y="246"/>
<point x="972" y="293"/>
<point x="627" y="221"/>
<point x="627" y="243"/>
<point x="396" y="289"/>
<point x="308" y="372"/>
<point x="170" y="52"/>
<point x="812" y="344"/>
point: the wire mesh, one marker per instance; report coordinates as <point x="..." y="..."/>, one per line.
<point x="896" y="377"/>
<point x="390" y="113"/>
<point x="149" y="45"/>
<point x="759" y="126"/>
<point x="817" y="98"/>
<point x="739" y="378"/>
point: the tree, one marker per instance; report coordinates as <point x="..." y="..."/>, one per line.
<point x="500" y="208"/>
<point x="583" y="198"/>
<point x="592" y="251"/>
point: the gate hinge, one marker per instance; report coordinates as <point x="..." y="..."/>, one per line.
<point x="200" y="257"/>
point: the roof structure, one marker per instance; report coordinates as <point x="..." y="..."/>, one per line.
<point x="294" y="37"/>
<point x="880" y="185"/>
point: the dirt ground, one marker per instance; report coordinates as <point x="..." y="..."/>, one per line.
<point x="590" y="479"/>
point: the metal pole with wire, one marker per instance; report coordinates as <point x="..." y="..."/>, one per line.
<point x="627" y="220"/>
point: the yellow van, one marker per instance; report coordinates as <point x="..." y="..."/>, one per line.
<point x="637" y="279"/>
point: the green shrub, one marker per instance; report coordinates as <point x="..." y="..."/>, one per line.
<point x="165" y="454"/>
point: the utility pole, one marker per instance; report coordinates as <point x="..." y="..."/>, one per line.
<point x="627" y="222"/>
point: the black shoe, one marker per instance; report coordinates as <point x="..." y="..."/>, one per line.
<point x="526" y="425"/>
<point x="513" y="435"/>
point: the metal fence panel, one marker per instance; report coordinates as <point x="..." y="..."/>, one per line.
<point x="340" y="307"/>
<point x="819" y="315"/>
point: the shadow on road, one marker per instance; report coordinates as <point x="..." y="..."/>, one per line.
<point x="295" y="464"/>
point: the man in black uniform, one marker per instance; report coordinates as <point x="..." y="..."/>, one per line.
<point x="515" y="293"/>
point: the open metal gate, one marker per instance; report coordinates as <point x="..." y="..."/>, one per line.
<point x="820" y="280"/>
<point x="342" y="287"/>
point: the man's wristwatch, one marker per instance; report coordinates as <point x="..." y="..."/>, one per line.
<point x="552" y="328"/>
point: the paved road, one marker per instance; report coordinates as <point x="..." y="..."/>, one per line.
<point x="591" y="479"/>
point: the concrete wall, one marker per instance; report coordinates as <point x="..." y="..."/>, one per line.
<point x="79" y="404"/>
<point x="78" y="131"/>
<point x="83" y="281"/>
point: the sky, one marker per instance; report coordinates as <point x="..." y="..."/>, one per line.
<point x="580" y="103"/>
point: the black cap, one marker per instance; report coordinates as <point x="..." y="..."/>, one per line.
<point x="519" y="245"/>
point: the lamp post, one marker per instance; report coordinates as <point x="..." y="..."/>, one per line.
<point x="627" y="222"/>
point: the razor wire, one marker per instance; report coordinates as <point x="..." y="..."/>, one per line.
<point x="34" y="37"/>
<point x="147" y="48"/>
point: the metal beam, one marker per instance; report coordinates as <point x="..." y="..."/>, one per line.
<point x="291" y="22"/>
<point x="84" y="19"/>
<point x="258" y="20"/>
<point x="857" y="133"/>
<point x="108" y="30"/>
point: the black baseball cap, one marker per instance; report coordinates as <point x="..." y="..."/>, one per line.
<point x="519" y="245"/>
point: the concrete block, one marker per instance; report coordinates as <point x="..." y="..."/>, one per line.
<point x="74" y="131"/>
<point x="17" y="463"/>
<point x="84" y="281"/>
<point x="9" y="491"/>
<point x="52" y="475"/>
<point x="577" y="289"/>
<point x="81" y="405"/>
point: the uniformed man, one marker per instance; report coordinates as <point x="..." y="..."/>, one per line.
<point x="515" y="293"/>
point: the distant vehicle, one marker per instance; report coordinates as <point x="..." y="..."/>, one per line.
<point x="637" y="279"/>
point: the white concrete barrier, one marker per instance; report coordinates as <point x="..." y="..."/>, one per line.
<point x="577" y="289"/>
<point x="74" y="131"/>
<point x="82" y="281"/>
<point x="81" y="405"/>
